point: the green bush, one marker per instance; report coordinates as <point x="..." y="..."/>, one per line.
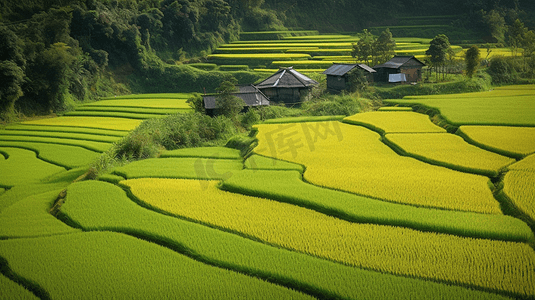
<point x="335" y="105"/>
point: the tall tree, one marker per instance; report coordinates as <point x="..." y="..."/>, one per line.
<point x="472" y="60"/>
<point x="496" y="25"/>
<point x="363" y="50"/>
<point x="226" y="103"/>
<point x="384" y="47"/>
<point x="438" y="51"/>
<point x="516" y="36"/>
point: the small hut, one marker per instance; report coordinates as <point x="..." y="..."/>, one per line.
<point x="287" y="85"/>
<point x="248" y="93"/>
<point x="338" y="75"/>
<point x="408" y="65"/>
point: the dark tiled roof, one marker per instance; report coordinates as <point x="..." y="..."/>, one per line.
<point x="397" y="62"/>
<point x="342" y="69"/>
<point x="249" y="94"/>
<point x="287" y="78"/>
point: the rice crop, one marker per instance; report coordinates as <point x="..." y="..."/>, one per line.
<point x="304" y="64"/>
<point x="142" y="103"/>
<point x="25" y="190"/>
<point x="95" y="131"/>
<point x="489" y="264"/>
<point x="12" y="290"/>
<point x="206" y="152"/>
<point x="304" y="119"/>
<point x="527" y="163"/>
<point x="519" y="189"/>
<point x="62" y="135"/>
<point x="113" y="114"/>
<point x="352" y="158"/>
<point x="510" y="141"/>
<point x="297" y="69"/>
<point x="138" y="110"/>
<point x="394" y="122"/>
<point x="150" y="96"/>
<point x="89" y="145"/>
<point x="187" y="167"/>
<point x="23" y="166"/>
<point x="450" y="151"/>
<point x="272" y="49"/>
<point x="114" y="266"/>
<point x="61" y="155"/>
<point x="395" y="108"/>
<point x="260" y="56"/>
<point x="285" y="186"/>
<point x="29" y="217"/>
<point x="259" y="162"/>
<point x="89" y="122"/>
<point x="485" y="108"/>
<point x="100" y="206"/>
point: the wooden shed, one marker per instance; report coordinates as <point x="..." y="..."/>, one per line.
<point x="287" y="85"/>
<point x="251" y="95"/>
<point x="408" y="65"/>
<point x="338" y="75"/>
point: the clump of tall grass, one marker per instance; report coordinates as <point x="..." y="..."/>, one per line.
<point x="172" y="132"/>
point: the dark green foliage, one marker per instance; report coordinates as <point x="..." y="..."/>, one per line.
<point x="372" y="49"/>
<point x="196" y="102"/>
<point x="249" y="118"/>
<point x="502" y="70"/>
<point x="332" y="105"/>
<point x="357" y="81"/>
<point x="11" y="77"/>
<point x="173" y="132"/>
<point x="472" y="61"/>
<point x="226" y="103"/>
<point x="438" y="49"/>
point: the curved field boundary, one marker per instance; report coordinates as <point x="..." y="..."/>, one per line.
<point x="29" y="217"/>
<point x="89" y="122"/>
<point x="395" y="108"/>
<point x="110" y="209"/>
<point x="519" y="190"/>
<point x="94" y="131"/>
<point x="13" y="290"/>
<point x="450" y="151"/>
<point x="259" y="162"/>
<point x="62" y="155"/>
<point x="61" y="135"/>
<point x="187" y="167"/>
<point x="116" y="266"/>
<point x="394" y="122"/>
<point x="205" y="152"/>
<point x="496" y="265"/>
<point x="140" y="110"/>
<point x="288" y="187"/>
<point x="141" y="103"/>
<point x="89" y="145"/>
<point x="23" y="166"/>
<point x="23" y="191"/>
<point x="304" y="119"/>
<point x="112" y="114"/>
<point x="527" y="163"/>
<point x="353" y="159"/>
<point x="480" y="110"/>
<point x="516" y="142"/>
<point x="150" y="96"/>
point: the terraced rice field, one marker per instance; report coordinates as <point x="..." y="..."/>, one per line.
<point x="499" y="107"/>
<point x="308" y="53"/>
<point x="382" y="205"/>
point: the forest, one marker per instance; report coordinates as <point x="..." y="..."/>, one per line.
<point x="54" y="54"/>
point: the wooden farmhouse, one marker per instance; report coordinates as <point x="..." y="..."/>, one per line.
<point x="249" y="94"/>
<point x="338" y="75"/>
<point x="287" y="85"/>
<point x="408" y="65"/>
